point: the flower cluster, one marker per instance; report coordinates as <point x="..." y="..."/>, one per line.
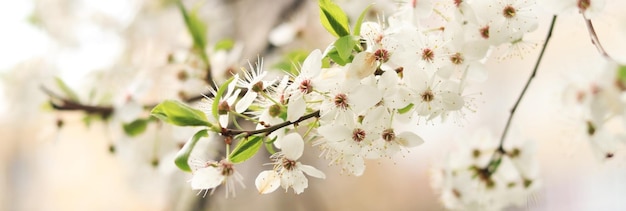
<point x="391" y="72"/>
<point x="359" y="99"/>
<point x="599" y="104"/>
<point x="471" y="178"/>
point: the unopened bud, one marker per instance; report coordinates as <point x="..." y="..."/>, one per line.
<point x="258" y="87"/>
<point x="274" y="110"/>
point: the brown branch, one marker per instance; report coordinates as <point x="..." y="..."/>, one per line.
<point x="229" y="132"/>
<point x="497" y="156"/>
<point x="61" y="103"/>
<point x="64" y="104"/>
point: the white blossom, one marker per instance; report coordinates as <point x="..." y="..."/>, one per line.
<point x="288" y="172"/>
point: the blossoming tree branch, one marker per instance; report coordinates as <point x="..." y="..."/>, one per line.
<point x="360" y="98"/>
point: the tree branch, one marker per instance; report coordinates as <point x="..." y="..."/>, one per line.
<point x="497" y="156"/>
<point x="229" y="132"/>
<point x="61" y="103"/>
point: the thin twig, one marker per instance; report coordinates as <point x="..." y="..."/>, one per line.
<point x="64" y="104"/>
<point x="229" y="132"/>
<point x="61" y="103"/>
<point x="500" y="151"/>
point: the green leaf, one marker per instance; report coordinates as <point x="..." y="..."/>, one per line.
<point x="245" y="149"/>
<point x="326" y="62"/>
<point x="178" y="113"/>
<point x="333" y="18"/>
<point x="405" y="109"/>
<point x="218" y="97"/>
<point x="344" y="46"/>
<point x="621" y="73"/>
<point x="182" y="157"/>
<point x="225" y="44"/>
<point x="269" y="145"/>
<point x="334" y="55"/>
<point x="357" y="27"/>
<point x="69" y="93"/>
<point x="136" y="127"/>
<point x="198" y="30"/>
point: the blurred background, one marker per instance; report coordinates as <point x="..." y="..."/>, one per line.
<point x="111" y="51"/>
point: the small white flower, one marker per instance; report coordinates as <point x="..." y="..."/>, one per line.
<point x="391" y="140"/>
<point x="507" y="18"/>
<point x="589" y="8"/>
<point x="304" y="84"/>
<point x="348" y="143"/>
<point x="349" y="99"/>
<point x="288" y="172"/>
<point x="433" y="96"/>
<point x="227" y="102"/>
<point x="254" y="82"/>
<point x="209" y="175"/>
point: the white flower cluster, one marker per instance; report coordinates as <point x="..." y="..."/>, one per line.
<point x="600" y="105"/>
<point x="468" y="180"/>
<point x="403" y="70"/>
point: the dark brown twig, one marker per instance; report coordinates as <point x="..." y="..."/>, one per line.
<point x="61" y="103"/>
<point x="497" y="156"/>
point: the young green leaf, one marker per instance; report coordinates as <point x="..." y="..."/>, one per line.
<point x="621" y="73"/>
<point x="357" y="26"/>
<point x="333" y="18"/>
<point x="245" y="149"/>
<point x="69" y="93"/>
<point x="182" y="157"/>
<point x="334" y="55"/>
<point x="218" y="98"/>
<point x="198" y="30"/>
<point x="405" y="109"/>
<point x="344" y="46"/>
<point x="177" y="113"/>
<point x="136" y="127"/>
<point x="225" y="44"/>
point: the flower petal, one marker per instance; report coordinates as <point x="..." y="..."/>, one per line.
<point x="312" y="171"/>
<point x="206" y="178"/>
<point x="245" y="101"/>
<point x="292" y="146"/>
<point x="452" y="101"/>
<point x="267" y="182"/>
<point x="409" y="139"/>
<point x="312" y="64"/>
<point x="296" y="109"/>
<point x="335" y="132"/>
<point x="300" y="183"/>
<point x="354" y="165"/>
<point x="364" y="97"/>
<point x="363" y="65"/>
